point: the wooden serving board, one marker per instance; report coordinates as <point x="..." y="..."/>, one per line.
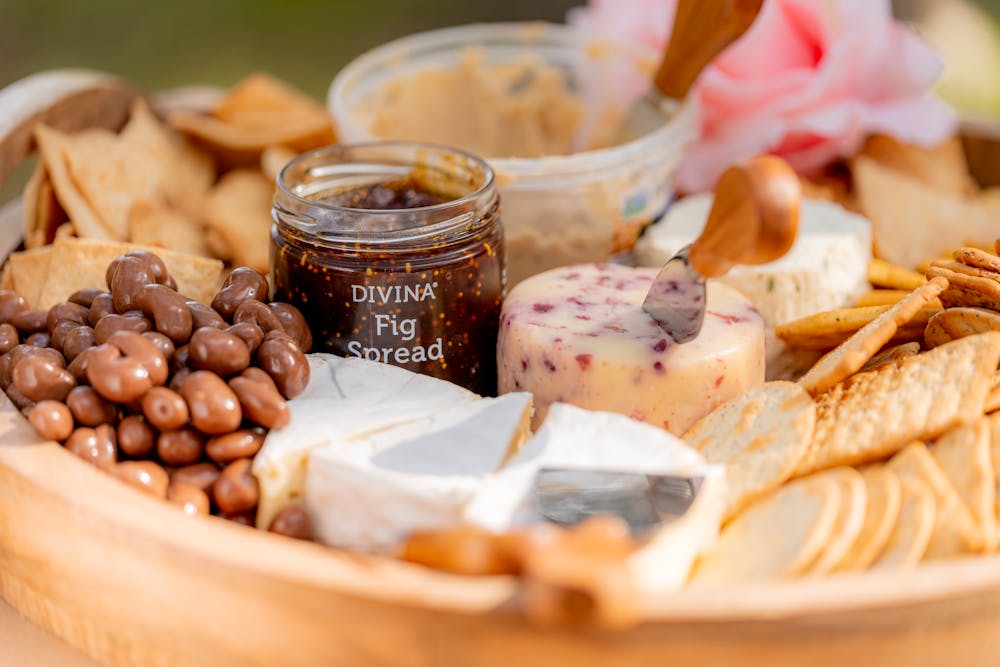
<point x="134" y="583"/>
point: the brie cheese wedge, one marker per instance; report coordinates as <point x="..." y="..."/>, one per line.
<point x="347" y="399"/>
<point x="370" y="493"/>
<point x="572" y="437"/>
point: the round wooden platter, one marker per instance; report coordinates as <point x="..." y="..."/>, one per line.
<point x="133" y="582"/>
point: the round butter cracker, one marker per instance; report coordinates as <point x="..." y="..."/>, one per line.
<point x="979" y="259"/>
<point x="849" y="522"/>
<point x="884" y="494"/>
<point x="954" y="323"/>
<point x="912" y="532"/>
<point x="759" y="436"/>
<point x="776" y="537"/>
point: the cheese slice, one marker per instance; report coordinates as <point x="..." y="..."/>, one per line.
<point x="573" y="437"/>
<point x="371" y="493"/>
<point x="825" y="269"/>
<point x="347" y="399"/>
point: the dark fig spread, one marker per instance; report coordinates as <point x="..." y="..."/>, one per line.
<point x="405" y="269"/>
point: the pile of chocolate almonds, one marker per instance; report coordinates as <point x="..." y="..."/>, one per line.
<point x="166" y="393"/>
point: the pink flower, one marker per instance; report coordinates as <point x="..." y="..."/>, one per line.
<point x="645" y="21"/>
<point x="612" y="83"/>
<point x="809" y="81"/>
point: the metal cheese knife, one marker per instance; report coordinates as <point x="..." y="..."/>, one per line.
<point x="568" y="496"/>
<point x="754" y="220"/>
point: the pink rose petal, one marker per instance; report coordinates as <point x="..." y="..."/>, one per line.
<point x="809" y="81"/>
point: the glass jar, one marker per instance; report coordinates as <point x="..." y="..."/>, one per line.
<point x="417" y="287"/>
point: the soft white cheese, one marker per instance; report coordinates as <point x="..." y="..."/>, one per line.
<point x="572" y="437"/>
<point x="825" y="269"/>
<point x="371" y="493"/>
<point x="345" y="401"/>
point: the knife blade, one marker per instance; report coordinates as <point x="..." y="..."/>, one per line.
<point x="754" y="219"/>
<point x="645" y="501"/>
<point x="676" y="300"/>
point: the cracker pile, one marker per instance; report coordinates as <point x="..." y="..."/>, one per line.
<point x="195" y="183"/>
<point x="886" y="453"/>
<point x="921" y="201"/>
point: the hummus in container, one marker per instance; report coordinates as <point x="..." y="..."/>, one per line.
<point x="579" y="175"/>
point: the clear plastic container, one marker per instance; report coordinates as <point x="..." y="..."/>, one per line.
<point x="559" y="209"/>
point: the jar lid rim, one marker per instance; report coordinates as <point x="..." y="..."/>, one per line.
<point x="468" y="198"/>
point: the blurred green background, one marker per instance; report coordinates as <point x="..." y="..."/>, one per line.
<point x="177" y="42"/>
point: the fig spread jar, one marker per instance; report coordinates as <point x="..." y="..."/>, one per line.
<point x="394" y="252"/>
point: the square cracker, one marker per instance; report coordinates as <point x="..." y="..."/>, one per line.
<point x="238" y="212"/>
<point x="942" y="167"/>
<point x="81" y="263"/>
<point x="27" y="271"/>
<point x="963" y="454"/>
<point x="155" y="225"/>
<point x="185" y="172"/>
<point x="257" y="113"/>
<point x="42" y="212"/>
<point x="106" y="173"/>
<point x="911" y="222"/>
<point x="955" y="531"/>
<point x="918" y="398"/>
<point x="52" y="147"/>
<point x="853" y="353"/>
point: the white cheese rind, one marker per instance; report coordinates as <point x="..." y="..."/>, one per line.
<point x="578" y="335"/>
<point x="572" y="437"/>
<point x="345" y="401"/>
<point x="825" y="269"/>
<point x="371" y="493"/>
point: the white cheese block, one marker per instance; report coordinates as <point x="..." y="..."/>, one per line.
<point x="572" y="437"/>
<point x="371" y="493"/>
<point x="825" y="269"/>
<point x="578" y="335"/>
<point x="345" y="401"/>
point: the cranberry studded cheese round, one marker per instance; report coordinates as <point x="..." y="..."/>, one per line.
<point x="578" y="335"/>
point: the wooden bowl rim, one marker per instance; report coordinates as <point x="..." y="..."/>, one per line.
<point x="153" y="524"/>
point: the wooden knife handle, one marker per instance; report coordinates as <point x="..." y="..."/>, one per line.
<point x="580" y="578"/>
<point x="702" y="30"/>
<point x="754" y="217"/>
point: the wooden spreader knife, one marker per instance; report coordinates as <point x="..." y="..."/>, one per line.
<point x="754" y="220"/>
<point x="702" y="29"/>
